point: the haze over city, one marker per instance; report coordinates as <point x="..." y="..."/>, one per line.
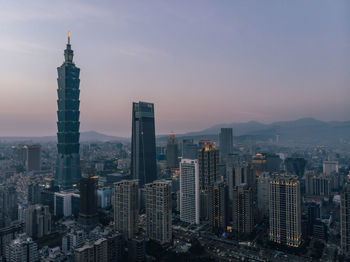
<point x="200" y="62"/>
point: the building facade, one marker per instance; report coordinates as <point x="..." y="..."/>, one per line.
<point x="345" y="221"/>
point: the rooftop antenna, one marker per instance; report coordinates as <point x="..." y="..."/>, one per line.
<point x="68" y="37"/>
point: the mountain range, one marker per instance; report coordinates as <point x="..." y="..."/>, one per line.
<point x="304" y="130"/>
<point x="88" y="136"/>
<point x="301" y="131"/>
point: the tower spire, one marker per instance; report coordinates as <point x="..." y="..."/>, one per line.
<point x="68" y="53"/>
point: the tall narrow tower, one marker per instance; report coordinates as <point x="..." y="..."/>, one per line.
<point x="68" y="170"/>
<point x="344" y="221"/>
<point x="209" y="174"/>
<point x="143" y="143"/>
<point x="226" y="143"/>
<point x="172" y="152"/>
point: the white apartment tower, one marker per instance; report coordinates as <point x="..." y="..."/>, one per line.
<point x="189" y="191"/>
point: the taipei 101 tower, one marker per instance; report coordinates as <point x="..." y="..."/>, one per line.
<point x="68" y="172"/>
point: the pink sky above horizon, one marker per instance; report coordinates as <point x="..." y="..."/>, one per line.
<point x="201" y="62"/>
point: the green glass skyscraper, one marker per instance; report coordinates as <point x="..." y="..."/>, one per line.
<point x="68" y="172"/>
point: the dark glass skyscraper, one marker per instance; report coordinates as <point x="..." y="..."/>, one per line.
<point x="88" y="202"/>
<point x="226" y="143"/>
<point x="189" y="149"/>
<point x="172" y="152"/>
<point x="143" y="143"/>
<point x="68" y="170"/>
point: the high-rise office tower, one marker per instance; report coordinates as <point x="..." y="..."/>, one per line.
<point x="8" y="205"/>
<point x="218" y="207"/>
<point x="143" y="143"/>
<point x="22" y="249"/>
<point x="34" y="194"/>
<point x="345" y="221"/>
<point x="189" y="149"/>
<point x="285" y="210"/>
<point x="242" y="208"/>
<point x="208" y="161"/>
<point x="68" y="170"/>
<point x="172" y="152"/>
<point x="126" y="207"/>
<point x="88" y="202"/>
<point x="189" y="191"/>
<point x="38" y="221"/>
<point x="33" y="157"/>
<point x="226" y="143"/>
<point x="159" y="211"/>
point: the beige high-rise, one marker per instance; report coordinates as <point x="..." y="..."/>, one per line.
<point x="159" y="211"/>
<point x="285" y="210"/>
<point x="126" y="207"/>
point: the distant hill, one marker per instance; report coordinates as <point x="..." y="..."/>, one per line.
<point x="89" y="136"/>
<point x="301" y="131"/>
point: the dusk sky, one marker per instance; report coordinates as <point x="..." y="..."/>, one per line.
<point x="200" y="62"/>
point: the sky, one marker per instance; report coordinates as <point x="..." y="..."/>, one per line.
<point x="201" y="62"/>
